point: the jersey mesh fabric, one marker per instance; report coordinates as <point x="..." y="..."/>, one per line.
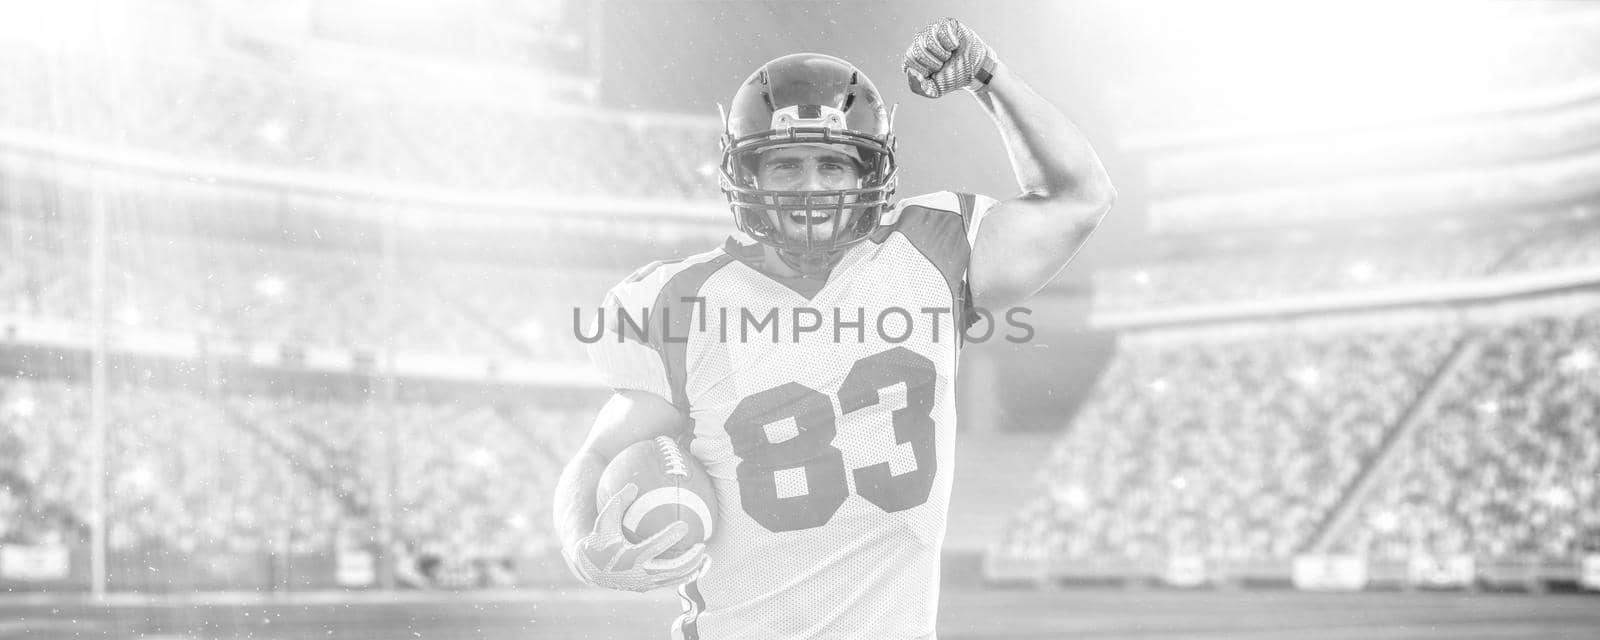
<point x="630" y="351"/>
<point x="838" y="545"/>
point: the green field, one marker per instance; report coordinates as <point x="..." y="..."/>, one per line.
<point x="966" y="614"/>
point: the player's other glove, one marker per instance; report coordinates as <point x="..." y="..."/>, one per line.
<point x="946" y="56"/>
<point x="606" y="559"/>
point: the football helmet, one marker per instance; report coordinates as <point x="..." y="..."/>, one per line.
<point x="808" y="98"/>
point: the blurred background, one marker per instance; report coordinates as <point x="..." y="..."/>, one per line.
<point x="287" y="295"/>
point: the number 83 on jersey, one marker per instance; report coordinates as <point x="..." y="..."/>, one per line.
<point x="812" y="449"/>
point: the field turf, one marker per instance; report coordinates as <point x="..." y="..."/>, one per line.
<point x="966" y="614"/>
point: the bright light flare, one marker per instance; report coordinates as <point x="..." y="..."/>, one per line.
<point x="1579" y="361"/>
<point x="481" y="458"/>
<point x="24" y="406"/>
<point x="1360" y="271"/>
<point x="1160" y="386"/>
<point x="271" y="287"/>
<point x="141" y="477"/>
<point x="1385" y="522"/>
<point x="130" y="316"/>
<point x="274" y="132"/>
<point x="1271" y="65"/>
<point x="1074" y="498"/>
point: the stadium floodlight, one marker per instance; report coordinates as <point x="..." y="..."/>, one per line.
<point x="130" y="316"/>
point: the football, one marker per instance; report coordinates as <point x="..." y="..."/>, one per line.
<point x="672" y="487"/>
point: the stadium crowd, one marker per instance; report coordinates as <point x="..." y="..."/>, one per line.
<point x="251" y="292"/>
<point x="1506" y="466"/>
<point x="177" y="474"/>
<point x="228" y="473"/>
<point x="1232" y="447"/>
<point x="1238" y="447"/>
<point x="1307" y="265"/>
<point x="241" y="112"/>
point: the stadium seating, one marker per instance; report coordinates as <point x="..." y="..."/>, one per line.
<point x="178" y="475"/>
<point x="1309" y="266"/>
<point x="42" y="488"/>
<point x="1230" y="448"/>
<point x="1506" y="465"/>
<point x="1567" y="243"/>
<point x="250" y="292"/>
<point x="1237" y="447"/>
<point x="245" y="473"/>
<point x="537" y="315"/>
<point x="237" y="113"/>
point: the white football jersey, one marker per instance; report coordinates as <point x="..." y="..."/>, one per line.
<point x="824" y="415"/>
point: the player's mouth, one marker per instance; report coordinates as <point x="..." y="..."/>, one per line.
<point x="814" y="217"/>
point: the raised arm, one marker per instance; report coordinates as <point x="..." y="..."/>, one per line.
<point x="1023" y="242"/>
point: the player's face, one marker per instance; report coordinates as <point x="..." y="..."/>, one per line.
<point x="808" y="168"/>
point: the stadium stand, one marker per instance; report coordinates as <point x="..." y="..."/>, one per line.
<point x="216" y="474"/>
<point x="1376" y="259"/>
<point x="1228" y="446"/>
<point x="260" y="115"/>
<point x="223" y="472"/>
<point x="259" y="292"/>
<point x="1243" y="443"/>
<point x="179" y="476"/>
<point x="1232" y="448"/>
<point x="42" y="490"/>
<point x="1506" y="466"/>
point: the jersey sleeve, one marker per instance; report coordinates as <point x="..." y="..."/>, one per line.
<point x="646" y="320"/>
<point x="628" y="353"/>
<point x="943" y="226"/>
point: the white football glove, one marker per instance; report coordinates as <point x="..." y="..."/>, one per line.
<point x="606" y="559"/>
<point x="945" y="56"/>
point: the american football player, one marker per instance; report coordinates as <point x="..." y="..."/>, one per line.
<point x="828" y="432"/>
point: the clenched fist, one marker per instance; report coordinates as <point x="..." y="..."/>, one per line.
<point x="946" y="56"/>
